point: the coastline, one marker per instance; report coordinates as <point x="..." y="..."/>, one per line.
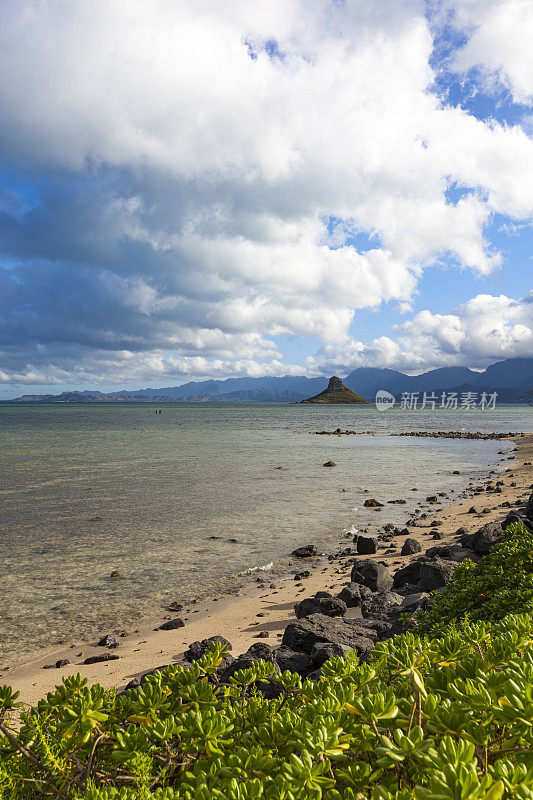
<point x="262" y="609"/>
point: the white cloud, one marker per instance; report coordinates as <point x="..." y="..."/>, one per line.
<point x="184" y="168"/>
<point x="479" y="332"/>
<point x="485" y="329"/>
<point x="137" y="368"/>
<point x="499" y="44"/>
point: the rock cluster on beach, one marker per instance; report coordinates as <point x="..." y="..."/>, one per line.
<point x="383" y="597"/>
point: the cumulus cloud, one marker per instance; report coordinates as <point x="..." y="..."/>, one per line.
<point x="172" y="168"/>
<point x="485" y="329"/>
<point x="89" y="369"/>
<point x="498" y="46"/>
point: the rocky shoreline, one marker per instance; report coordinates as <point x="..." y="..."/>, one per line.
<point x="349" y="599"/>
<point x="383" y="598"/>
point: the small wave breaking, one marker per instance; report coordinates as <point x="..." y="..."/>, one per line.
<point x="262" y="568"/>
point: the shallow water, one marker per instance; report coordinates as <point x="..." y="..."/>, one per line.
<point x="88" y="489"/>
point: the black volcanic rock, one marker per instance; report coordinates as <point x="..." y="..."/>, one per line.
<point x="307" y="551"/>
<point x="318" y="629"/>
<point x="330" y="606"/>
<point x="435" y="574"/>
<point x="197" y="649"/>
<point x="366" y="545"/>
<point x="409" y="574"/>
<point x="410" y="547"/>
<point x="372" y="574"/>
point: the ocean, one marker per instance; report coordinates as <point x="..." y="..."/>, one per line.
<point x="86" y="490"/>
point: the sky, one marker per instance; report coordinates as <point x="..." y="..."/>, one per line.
<point x="195" y="190"/>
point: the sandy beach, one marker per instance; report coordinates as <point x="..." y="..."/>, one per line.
<point x="263" y="608"/>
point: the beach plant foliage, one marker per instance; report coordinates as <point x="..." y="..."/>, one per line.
<point x="500" y="584"/>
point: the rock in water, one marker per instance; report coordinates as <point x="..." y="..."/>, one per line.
<point x="336" y="392"/>
<point x="307" y="551"/>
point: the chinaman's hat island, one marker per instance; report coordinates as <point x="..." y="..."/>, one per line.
<point x="337" y="392"/>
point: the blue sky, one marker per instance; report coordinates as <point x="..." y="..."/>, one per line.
<point x="262" y="188"/>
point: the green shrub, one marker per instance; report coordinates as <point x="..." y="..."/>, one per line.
<point x="501" y="583"/>
<point x="446" y="718"/>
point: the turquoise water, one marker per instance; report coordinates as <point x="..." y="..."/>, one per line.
<point x="88" y="489"/>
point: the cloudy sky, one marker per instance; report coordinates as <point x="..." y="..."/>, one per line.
<point x="196" y="188"/>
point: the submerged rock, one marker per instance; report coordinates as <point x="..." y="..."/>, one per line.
<point x="307" y="551"/>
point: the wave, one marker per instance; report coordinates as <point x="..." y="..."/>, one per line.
<point x="262" y="568"/>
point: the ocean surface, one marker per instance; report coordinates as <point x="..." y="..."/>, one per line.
<point x="89" y="489"/>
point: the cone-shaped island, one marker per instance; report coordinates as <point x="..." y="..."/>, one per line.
<point x="336" y="392"/>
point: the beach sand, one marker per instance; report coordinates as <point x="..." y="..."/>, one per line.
<point x="257" y="609"/>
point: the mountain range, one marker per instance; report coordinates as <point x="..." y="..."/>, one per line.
<point x="511" y="379"/>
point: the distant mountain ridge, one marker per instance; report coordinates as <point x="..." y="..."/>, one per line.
<point x="512" y="379"/>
